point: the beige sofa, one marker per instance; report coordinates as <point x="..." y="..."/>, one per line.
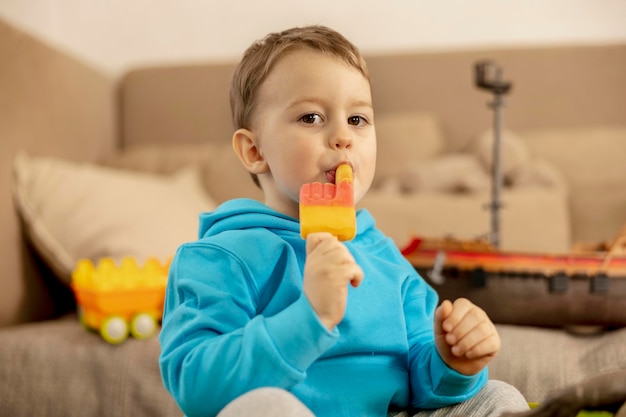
<point x="78" y="133"/>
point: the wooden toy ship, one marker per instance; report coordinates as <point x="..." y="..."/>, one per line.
<point x="584" y="287"/>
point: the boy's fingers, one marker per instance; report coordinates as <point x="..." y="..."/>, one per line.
<point x="336" y="254"/>
<point x="441" y="314"/>
<point x="459" y="309"/>
<point x="474" y="320"/>
<point x="478" y="340"/>
<point x="489" y="346"/>
<point x="313" y="240"/>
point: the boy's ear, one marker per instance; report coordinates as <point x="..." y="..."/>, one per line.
<point x="246" y="148"/>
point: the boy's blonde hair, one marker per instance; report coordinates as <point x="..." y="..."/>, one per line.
<point x="261" y="56"/>
<point x="259" y="59"/>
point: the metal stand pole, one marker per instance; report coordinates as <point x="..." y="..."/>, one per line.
<point x="489" y="77"/>
<point x="496" y="174"/>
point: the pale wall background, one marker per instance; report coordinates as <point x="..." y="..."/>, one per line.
<point x="115" y="35"/>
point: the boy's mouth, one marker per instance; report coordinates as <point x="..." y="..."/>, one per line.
<point x="331" y="175"/>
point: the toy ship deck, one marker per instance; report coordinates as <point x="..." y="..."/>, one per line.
<point x="584" y="287"/>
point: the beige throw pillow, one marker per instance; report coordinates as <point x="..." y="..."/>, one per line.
<point x="74" y="210"/>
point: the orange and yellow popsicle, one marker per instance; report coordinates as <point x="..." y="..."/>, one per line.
<point x="329" y="207"/>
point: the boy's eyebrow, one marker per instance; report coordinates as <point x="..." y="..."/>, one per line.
<point x="362" y="103"/>
<point x="320" y="101"/>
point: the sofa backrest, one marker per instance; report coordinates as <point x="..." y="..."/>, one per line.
<point x="50" y="104"/>
<point x="554" y="86"/>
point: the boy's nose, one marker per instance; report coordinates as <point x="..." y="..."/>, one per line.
<point x="341" y="138"/>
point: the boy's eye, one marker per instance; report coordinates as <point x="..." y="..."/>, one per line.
<point x="356" y="120"/>
<point x="311" y="118"/>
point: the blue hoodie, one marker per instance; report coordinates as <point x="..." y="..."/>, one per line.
<point x="236" y="318"/>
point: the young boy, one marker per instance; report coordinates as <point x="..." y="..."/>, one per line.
<point x="334" y="328"/>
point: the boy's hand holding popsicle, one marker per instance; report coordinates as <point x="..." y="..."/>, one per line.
<point x="327" y="215"/>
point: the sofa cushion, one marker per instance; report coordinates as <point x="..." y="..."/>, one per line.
<point x="56" y="368"/>
<point x="455" y="172"/>
<point x="592" y="161"/>
<point x="514" y="153"/>
<point x="533" y="219"/>
<point x="222" y="174"/>
<point x="76" y="210"/>
<point x="406" y="137"/>
<point x="538" y="361"/>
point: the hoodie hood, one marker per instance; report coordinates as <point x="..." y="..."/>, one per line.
<point x="243" y="213"/>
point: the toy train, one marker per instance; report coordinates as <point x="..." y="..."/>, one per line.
<point x="118" y="301"/>
<point x="586" y="286"/>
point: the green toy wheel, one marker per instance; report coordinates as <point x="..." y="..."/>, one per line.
<point x="114" y="329"/>
<point x="142" y="326"/>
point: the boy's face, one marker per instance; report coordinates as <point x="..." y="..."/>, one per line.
<point x="313" y="113"/>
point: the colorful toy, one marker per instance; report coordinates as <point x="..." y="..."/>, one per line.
<point x="120" y="300"/>
<point x="584" y="287"/>
<point x="329" y="207"/>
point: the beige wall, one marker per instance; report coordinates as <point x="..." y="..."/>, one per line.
<point x="114" y="35"/>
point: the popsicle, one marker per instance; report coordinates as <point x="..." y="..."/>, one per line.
<point x="329" y="207"/>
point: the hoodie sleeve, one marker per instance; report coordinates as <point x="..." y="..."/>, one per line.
<point x="433" y="383"/>
<point x="214" y="346"/>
